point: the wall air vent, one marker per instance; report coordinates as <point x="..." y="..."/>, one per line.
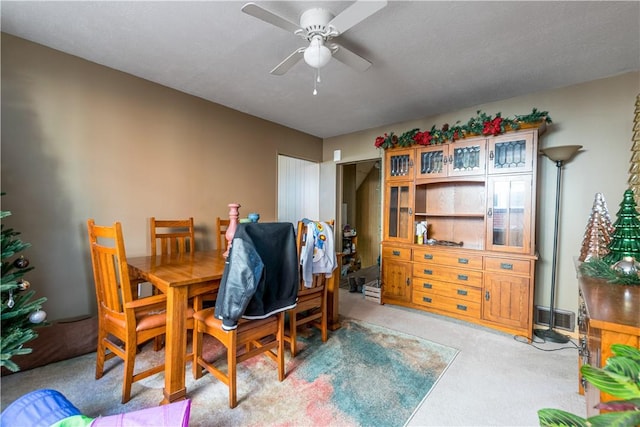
<point x="563" y="319"/>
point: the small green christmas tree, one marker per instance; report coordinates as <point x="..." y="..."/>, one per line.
<point x="625" y="240"/>
<point x="18" y="313"/>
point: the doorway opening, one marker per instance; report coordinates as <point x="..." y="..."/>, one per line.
<point x="360" y="225"/>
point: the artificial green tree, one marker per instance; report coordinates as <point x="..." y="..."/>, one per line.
<point x="625" y="240"/>
<point x="19" y="314"/>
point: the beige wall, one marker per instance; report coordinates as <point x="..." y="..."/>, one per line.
<point x="597" y="115"/>
<point x="80" y="141"/>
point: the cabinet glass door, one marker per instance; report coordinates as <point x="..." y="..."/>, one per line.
<point x="511" y="153"/>
<point x="432" y="162"/>
<point x="467" y="158"/>
<point x="399" y="164"/>
<point x="398" y="219"/>
<point x="452" y="159"/>
<point x="509" y="214"/>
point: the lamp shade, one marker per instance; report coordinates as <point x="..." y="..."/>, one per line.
<point x="317" y="55"/>
<point x="562" y="153"/>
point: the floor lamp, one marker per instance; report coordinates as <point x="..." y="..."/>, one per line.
<point x="560" y="155"/>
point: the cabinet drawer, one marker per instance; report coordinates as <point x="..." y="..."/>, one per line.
<point x="507" y="265"/>
<point x="451" y="305"/>
<point x="428" y="255"/>
<point x="396" y="253"/>
<point x="448" y="274"/>
<point x="461" y="292"/>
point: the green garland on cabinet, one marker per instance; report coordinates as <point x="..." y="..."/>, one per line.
<point x="481" y="124"/>
<point x="600" y="269"/>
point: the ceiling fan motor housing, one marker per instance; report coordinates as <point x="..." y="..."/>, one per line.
<point x="315" y="21"/>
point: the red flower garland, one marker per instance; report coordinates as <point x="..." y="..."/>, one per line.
<point x="492" y="127"/>
<point x="423" y="138"/>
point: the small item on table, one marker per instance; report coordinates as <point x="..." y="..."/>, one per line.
<point x="443" y="242"/>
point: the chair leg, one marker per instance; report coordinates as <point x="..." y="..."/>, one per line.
<point x="196" y="369"/>
<point x="129" y="363"/>
<point x="323" y="320"/>
<point x="293" y="328"/>
<point x="100" y="356"/>
<point x="280" y="338"/>
<point x="231" y="371"/>
<point x="158" y="343"/>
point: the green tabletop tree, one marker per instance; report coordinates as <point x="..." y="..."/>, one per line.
<point x="19" y="312"/>
<point x="625" y="240"/>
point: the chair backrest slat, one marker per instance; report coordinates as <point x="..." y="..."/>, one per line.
<point x="110" y="269"/>
<point x="172" y="236"/>
<point x="221" y="230"/>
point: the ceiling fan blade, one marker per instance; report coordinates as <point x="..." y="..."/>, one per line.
<point x="269" y="17"/>
<point x="289" y="62"/>
<point x="349" y="58"/>
<point x="355" y="13"/>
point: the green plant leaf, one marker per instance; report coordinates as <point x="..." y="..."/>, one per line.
<point x="616" y="385"/>
<point x="559" y="418"/>
<point x="626" y="351"/>
<point x="624" y="366"/>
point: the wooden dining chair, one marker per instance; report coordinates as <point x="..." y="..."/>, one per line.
<point x="260" y="327"/>
<point x="172" y="236"/>
<point x="312" y="301"/>
<point x="221" y="230"/>
<point x="123" y="322"/>
<point x="168" y="237"/>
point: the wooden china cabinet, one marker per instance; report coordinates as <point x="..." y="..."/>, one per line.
<point x="477" y="197"/>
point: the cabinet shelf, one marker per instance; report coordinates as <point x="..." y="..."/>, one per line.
<point x="452" y="215"/>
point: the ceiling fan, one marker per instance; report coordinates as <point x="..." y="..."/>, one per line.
<point x="319" y="26"/>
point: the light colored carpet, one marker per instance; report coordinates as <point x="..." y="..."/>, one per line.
<point x="364" y="375"/>
<point x="495" y="380"/>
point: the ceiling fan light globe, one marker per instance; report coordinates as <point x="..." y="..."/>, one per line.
<point x="317" y="56"/>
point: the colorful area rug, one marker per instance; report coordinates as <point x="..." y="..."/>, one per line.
<point x="364" y="375"/>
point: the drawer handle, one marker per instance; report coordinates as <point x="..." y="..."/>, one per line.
<point x="395" y="253"/>
<point x="462" y="292"/>
<point x="426" y="299"/>
<point x="428" y="256"/>
<point x="427" y="271"/>
<point x="506" y="266"/>
<point x="463" y="277"/>
<point x="427" y="285"/>
<point x="461" y="307"/>
<point x="463" y="261"/>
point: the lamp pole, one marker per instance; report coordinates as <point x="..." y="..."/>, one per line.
<point x="559" y="155"/>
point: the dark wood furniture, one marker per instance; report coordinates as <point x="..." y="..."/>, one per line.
<point x="608" y="314"/>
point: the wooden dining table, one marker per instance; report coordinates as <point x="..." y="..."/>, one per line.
<point x="180" y="277"/>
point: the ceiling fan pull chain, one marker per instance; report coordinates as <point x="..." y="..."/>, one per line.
<point x="316" y="78"/>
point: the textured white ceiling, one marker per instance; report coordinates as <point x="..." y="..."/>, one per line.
<point x="428" y="57"/>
